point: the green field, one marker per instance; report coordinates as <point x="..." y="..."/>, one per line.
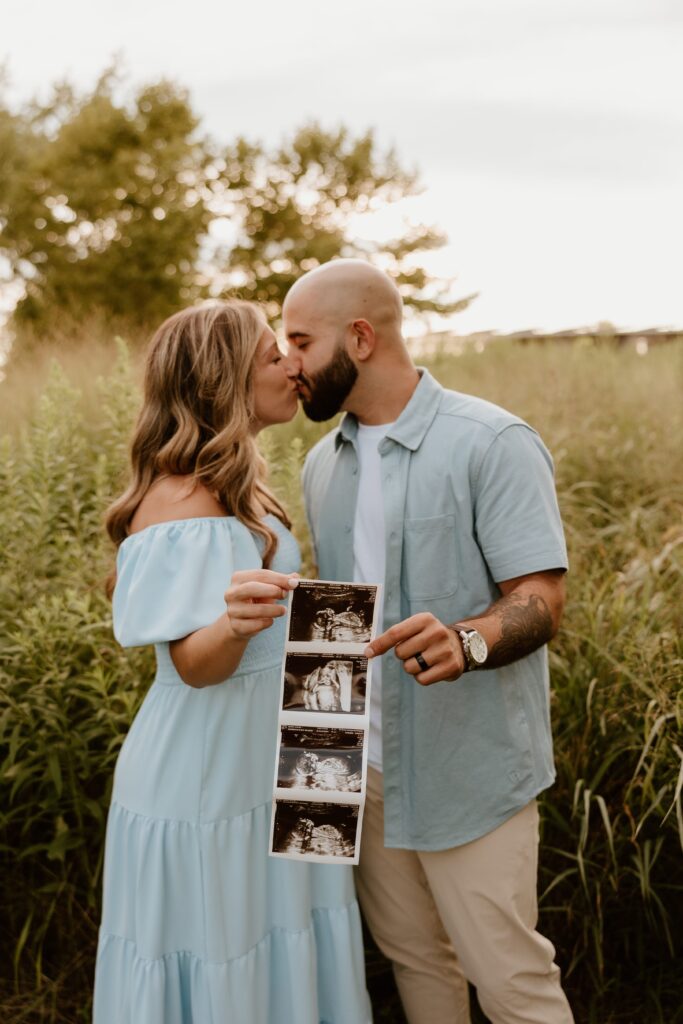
<point x="612" y="836"/>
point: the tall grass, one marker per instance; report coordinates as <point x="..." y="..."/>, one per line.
<point x="612" y="841"/>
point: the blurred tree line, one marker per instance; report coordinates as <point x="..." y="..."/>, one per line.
<point x="123" y="209"/>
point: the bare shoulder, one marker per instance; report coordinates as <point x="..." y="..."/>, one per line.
<point x="174" y="497"/>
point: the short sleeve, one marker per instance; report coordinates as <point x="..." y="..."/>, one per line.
<point x="517" y="519"/>
<point x="171" y="579"/>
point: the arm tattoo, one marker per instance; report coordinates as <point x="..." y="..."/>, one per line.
<point x="525" y="625"/>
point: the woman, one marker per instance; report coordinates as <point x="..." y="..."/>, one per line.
<point x="199" y="924"/>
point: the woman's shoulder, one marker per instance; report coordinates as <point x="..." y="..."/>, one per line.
<point x="179" y="518"/>
<point x="174" y="498"/>
<point x="174" y="566"/>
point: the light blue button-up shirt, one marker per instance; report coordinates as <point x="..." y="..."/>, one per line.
<point x="469" y="500"/>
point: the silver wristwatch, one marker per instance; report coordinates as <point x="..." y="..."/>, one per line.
<point x="474" y="647"/>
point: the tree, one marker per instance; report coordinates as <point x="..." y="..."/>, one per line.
<point x="111" y="208"/>
<point x="104" y="213"/>
<point x="294" y="208"/>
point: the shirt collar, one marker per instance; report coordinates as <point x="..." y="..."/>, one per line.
<point x="413" y="423"/>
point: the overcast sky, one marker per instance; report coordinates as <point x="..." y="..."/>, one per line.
<point x="549" y="136"/>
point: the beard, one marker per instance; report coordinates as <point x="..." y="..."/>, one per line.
<point x="329" y="387"/>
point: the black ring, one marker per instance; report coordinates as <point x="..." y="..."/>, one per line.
<point x="421" y="662"/>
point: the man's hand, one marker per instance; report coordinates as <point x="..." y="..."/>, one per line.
<point x="423" y="634"/>
<point x="522" y="620"/>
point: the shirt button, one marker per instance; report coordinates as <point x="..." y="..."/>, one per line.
<point x="347" y="529"/>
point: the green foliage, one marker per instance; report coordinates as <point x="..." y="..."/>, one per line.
<point x="612" y="832"/>
<point x="294" y="206"/>
<point x="67" y="692"/>
<point x="611" y="864"/>
<point x="102" y="210"/>
<point x="111" y="207"/>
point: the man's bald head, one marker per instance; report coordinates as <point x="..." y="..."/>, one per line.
<point x="344" y="291"/>
<point x="343" y="324"/>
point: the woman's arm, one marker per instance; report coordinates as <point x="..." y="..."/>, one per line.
<point x="210" y="655"/>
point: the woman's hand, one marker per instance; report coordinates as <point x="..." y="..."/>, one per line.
<point x="251" y="598"/>
<point x="211" y="655"/>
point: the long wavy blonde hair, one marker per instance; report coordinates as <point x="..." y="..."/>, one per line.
<point x="196" y="417"/>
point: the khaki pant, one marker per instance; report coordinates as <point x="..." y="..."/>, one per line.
<point x="465" y="913"/>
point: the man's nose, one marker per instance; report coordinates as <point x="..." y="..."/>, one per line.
<point x="292" y="361"/>
<point x="292" y="364"/>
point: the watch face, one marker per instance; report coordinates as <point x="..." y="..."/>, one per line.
<point x="478" y="648"/>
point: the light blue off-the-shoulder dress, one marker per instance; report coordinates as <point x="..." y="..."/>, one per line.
<point x="200" y="925"/>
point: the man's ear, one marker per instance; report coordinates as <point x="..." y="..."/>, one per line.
<point x="363" y="339"/>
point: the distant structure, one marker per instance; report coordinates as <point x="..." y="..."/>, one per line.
<point x="602" y="334"/>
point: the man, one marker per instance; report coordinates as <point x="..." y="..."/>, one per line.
<point x="449" y="502"/>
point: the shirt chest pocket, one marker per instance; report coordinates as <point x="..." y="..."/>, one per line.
<point x="429" y="558"/>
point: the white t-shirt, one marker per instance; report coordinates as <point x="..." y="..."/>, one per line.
<point x="369" y="556"/>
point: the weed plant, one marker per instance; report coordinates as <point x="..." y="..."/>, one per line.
<point x="612" y="826"/>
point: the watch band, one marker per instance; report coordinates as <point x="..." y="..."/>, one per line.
<point x="471" y="663"/>
<point x="464" y="640"/>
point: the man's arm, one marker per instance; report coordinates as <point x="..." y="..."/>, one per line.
<point x="524" y="618"/>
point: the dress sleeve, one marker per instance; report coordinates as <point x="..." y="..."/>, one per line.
<point x="171" y="579"/>
<point x="517" y="518"/>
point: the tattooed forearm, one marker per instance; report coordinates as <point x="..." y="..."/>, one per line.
<point x="525" y="625"/>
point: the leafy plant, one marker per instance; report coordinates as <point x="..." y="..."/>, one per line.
<point x="612" y="826"/>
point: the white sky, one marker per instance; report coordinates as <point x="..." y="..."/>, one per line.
<point x="549" y="135"/>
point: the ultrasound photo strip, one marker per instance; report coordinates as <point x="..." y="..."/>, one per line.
<point x="328" y="833"/>
<point x="332" y="616"/>
<point x="324" y="683"/>
<point x="326" y="761"/>
<point x="321" y="757"/>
